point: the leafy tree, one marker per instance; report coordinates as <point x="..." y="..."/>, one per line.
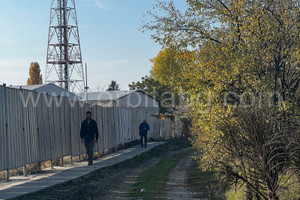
<point x="113" y="86"/>
<point x="35" y="76"/>
<point x="155" y="89"/>
<point x="148" y="85"/>
<point x="171" y="67"/>
<point x="234" y="47"/>
<point x="165" y="67"/>
<point x="251" y="44"/>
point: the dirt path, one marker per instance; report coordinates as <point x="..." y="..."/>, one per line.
<point x="124" y="181"/>
<point x="118" y="185"/>
<point x="176" y="187"/>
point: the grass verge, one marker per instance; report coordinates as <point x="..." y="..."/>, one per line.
<point x="204" y="184"/>
<point x="153" y="180"/>
<point x="289" y="190"/>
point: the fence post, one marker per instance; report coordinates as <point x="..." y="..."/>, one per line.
<point x="39" y="166"/>
<point x="61" y="139"/>
<point x="24" y="167"/>
<point x="70" y="132"/>
<point x="51" y="164"/>
<point x="24" y="138"/>
<point x="38" y="133"/>
<point x="6" y="133"/>
<point x="50" y="131"/>
<point x="25" y="171"/>
<point x="79" y="126"/>
<point x="6" y="149"/>
<point x="7" y="175"/>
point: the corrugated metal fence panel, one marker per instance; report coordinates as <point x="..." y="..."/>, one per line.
<point x="112" y="128"/>
<point x="64" y="112"/>
<point x="82" y="115"/>
<point x="94" y="110"/>
<point x="120" y="125"/>
<point x="117" y="127"/>
<point x="126" y="114"/>
<point x="111" y="133"/>
<point x="105" y="128"/>
<point x="101" y="128"/>
<point x="15" y="129"/>
<point x="99" y="124"/>
<point x="2" y="130"/>
<point x="177" y="129"/>
<point x="75" y="129"/>
<point x="53" y="131"/>
<point x="31" y="127"/>
<point x="42" y="127"/>
<point x="137" y="119"/>
<point x="168" y="128"/>
<point x="57" y="149"/>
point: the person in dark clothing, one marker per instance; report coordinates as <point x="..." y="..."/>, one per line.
<point x="144" y="128"/>
<point x="88" y="133"/>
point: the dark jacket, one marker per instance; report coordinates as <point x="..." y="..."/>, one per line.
<point x="144" y="128"/>
<point x="89" y="131"/>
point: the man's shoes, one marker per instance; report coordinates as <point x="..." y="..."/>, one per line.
<point x="90" y="163"/>
<point x="145" y="146"/>
<point x="141" y="145"/>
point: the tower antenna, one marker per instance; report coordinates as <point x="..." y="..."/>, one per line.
<point x="64" y="59"/>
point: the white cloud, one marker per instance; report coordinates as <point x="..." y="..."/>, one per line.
<point x="100" y="5"/>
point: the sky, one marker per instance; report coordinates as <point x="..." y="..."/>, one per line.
<point x="111" y="43"/>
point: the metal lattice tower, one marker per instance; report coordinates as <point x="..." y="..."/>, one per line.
<point x="64" y="60"/>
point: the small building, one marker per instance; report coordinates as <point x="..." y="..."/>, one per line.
<point x="50" y="89"/>
<point x="125" y="99"/>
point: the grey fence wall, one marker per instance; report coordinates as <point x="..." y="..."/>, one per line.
<point x="36" y="127"/>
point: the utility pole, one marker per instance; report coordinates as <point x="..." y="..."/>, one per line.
<point x="86" y="88"/>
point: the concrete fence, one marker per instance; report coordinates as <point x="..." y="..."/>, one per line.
<point x="37" y="127"/>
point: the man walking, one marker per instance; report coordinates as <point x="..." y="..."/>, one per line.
<point x="88" y="133"/>
<point x="144" y="128"/>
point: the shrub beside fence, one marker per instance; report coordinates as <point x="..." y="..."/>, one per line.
<point x="37" y="127"/>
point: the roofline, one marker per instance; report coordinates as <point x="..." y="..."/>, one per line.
<point x="19" y="87"/>
<point x="131" y="91"/>
<point x="140" y="92"/>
